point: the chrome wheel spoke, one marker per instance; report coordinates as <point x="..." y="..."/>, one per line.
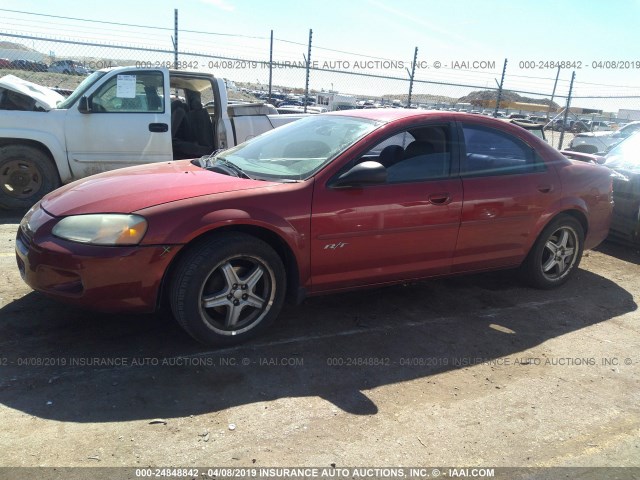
<point x="563" y="264"/>
<point x="549" y="264"/>
<point x="217" y="300"/>
<point x="253" y="278"/>
<point x="233" y="315"/>
<point x="564" y="238"/>
<point x="230" y="275"/>
<point x="552" y="247"/>
<point x="254" y="301"/>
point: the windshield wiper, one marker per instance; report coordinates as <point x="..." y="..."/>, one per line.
<point x="207" y="161"/>
<point x="235" y="168"/>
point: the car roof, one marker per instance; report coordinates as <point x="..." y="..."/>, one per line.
<point x="387" y="115"/>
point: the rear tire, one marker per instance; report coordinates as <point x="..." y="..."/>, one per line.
<point x="556" y="254"/>
<point x="26" y="175"/>
<point x="227" y="289"/>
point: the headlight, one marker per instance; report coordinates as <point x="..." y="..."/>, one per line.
<point x="33" y="220"/>
<point x="102" y="229"/>
<point x="24" y="223"/>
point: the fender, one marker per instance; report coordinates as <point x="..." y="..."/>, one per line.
<point x="555" y="209"/>
<point x="200" y="216"/>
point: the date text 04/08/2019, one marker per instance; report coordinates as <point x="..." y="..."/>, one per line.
<point x="579" y="64"/>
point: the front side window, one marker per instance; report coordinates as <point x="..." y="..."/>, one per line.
<point x="80" y="90"/>
<point x="492" y="152"/>
<point x="417" y="154"/>
<point x="130" y="92"/>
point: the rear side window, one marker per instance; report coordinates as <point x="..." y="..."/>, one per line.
<point x="491" y="152"/>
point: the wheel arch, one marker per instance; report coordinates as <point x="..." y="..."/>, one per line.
<point x="55" y="155"/>
<point x="579" y="215"/>
<point x="294" y="293"/>
<point x="572" y="211"/>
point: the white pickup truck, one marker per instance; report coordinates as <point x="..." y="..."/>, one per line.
<point x="115" y="118"/>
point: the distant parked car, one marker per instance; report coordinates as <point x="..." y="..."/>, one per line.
<point x="579" y="127"/>
<point x="624" y="159"/>
<point x="29" y="65"/>
<point x="517" y="116"/>
<point x="538" y="119"/>
<point x="5" y="63"/>
<point x="535" y="128"/>
<point x="69" y="67"/>
<point x="599" y="142"/>
<point x="597" y="126"/>
<point x="558" y="125"/>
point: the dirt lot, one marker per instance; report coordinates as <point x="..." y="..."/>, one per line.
<point x="469" y="371"/>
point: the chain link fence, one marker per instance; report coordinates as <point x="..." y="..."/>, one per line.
<point x="296" y="74"/>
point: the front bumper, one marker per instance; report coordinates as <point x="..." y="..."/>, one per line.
<point x="95" y="277"/>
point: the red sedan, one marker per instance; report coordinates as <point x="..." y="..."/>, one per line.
<point x="328" y="203"/>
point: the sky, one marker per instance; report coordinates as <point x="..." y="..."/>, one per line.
<point x="536" y="32"/>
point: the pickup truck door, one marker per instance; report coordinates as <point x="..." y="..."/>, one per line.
<point x="128" y="122"/>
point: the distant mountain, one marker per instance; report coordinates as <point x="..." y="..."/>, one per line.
<point x="16" y="46"/>
<point x="479" y="96"/>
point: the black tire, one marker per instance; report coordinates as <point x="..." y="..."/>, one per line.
<point x="545" y="269"/>
<point x="26" y="175"/>
<point x="249" y="295"/>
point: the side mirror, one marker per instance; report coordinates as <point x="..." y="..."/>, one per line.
<point x="600" y="160"/>
<point x="83" y="105"/>
<point x="365" y="173"/>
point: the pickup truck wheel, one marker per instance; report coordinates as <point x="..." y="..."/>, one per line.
<point x="228" y="289"/>
<point x="26" y="175"/>
<point x="556" y="254"/>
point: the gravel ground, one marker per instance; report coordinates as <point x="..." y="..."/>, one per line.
<point x="475" y="370"/>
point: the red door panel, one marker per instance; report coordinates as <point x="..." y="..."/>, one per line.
<point x="507" y="188"/>
<point x="383" y="233"/>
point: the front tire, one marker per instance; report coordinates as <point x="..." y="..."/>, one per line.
<point x="227" y="289"/>
<point x="26" y="175"/>
<point x="556" y="254"/>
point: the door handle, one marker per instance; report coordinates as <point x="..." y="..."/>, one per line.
<point x="440" y="198"/>
<point x="158" y="127"/>
<point x="545" y="188"/>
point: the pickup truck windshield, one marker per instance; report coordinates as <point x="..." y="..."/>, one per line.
<point x="297" y="150"/>
<point x="80" y="89"/>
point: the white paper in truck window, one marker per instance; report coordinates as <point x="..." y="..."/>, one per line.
<point x="126" y="86"/>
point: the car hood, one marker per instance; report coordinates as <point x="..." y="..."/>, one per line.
<point x="595" y="134"/>
<point x="134" y="188"/>
<point x="44" y="98"/>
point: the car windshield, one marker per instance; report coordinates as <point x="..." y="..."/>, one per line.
<point x="299" y="149"/>
<point x="625" y="154"/>
<point x="80" y="89"/>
